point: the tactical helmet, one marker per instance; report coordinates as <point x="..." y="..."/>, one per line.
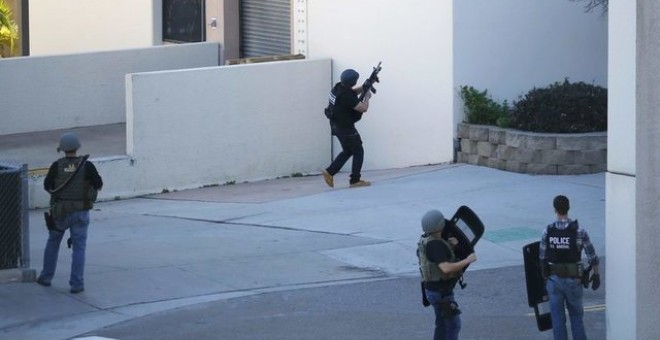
<point x="349" y="77"/>
<point x="68" y="142"/>
<point x="433" y="221"/>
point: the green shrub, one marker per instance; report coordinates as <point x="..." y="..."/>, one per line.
<point x="480" y="108"/>
<point x="562" y="107"/>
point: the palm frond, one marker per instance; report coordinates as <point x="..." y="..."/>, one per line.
<point x="8" y="30"/>
<point x="5" y="14"/>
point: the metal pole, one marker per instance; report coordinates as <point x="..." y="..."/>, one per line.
<point x="25" y="226"/>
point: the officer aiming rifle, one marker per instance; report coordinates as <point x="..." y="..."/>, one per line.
<point x="346" y="105"/>
<point x="369" y="83"/>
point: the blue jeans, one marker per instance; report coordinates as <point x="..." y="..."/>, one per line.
<point x="566" y="293"/>
<point x="445" y="328"/>
<point x="77" y="223"/>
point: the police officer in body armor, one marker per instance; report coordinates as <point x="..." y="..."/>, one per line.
<point x="440" y="271"/>
<point x="560" y="251"/>
<point x="348" y="110"/>
<point x="72" y="182"/>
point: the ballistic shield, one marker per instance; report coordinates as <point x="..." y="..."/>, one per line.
<point x="537" y="296"/>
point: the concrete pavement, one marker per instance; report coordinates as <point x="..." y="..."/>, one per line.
<point x="38" y="149"/>
<point x="160" y="252"/>
<point x="493" y="305"/>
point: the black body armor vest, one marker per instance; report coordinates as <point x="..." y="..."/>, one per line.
<point x="562" y="244"/>
<point x="74" y="196"/>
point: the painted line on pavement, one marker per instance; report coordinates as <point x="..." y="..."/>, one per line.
<point x="594" y="308"/>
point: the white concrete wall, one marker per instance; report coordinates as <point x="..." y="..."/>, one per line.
<point x="71" y="26"/>
<point x="409" y="121"/>
<point x="621" y="229"/>
<point x="647" y="188"/>
<point x="510" y="46"/>
<point x="620" y="244"/>
<point x="233" y="123"/>
<point x="64" y="91"/>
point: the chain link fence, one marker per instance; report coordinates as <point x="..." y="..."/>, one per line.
<point x="14" y="218"/>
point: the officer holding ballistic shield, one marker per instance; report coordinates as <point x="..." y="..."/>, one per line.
<point x="440" y="271"/>
<point x="560" y="252"/>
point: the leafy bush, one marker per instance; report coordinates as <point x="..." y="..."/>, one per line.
<point x="480" y="108"/>
<point x="562" y="107"/>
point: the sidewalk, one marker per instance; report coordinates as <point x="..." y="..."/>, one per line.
<point x="161" y="252"/>
<point x="38" y="149"/>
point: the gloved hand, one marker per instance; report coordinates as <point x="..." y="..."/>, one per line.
<point x="367" y="85"/>
<point x="595" y="281"/>
<point x="585" y="277"/>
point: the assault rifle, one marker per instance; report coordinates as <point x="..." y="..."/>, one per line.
<point x="369" y="83"/>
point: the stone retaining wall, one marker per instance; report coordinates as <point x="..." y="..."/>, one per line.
<point x="533" y="153"/>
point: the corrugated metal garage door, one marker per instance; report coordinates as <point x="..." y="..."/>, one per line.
<point x="265" y="27"/>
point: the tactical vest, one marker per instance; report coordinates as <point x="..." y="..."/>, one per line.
<point x="430" y="270"/>
<point x="562" y="244"/>
<point x="74" y="196"/>
<point x="562" y="251"/>
<point x="332" y="101"/>
<point x="344" y="116"/>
